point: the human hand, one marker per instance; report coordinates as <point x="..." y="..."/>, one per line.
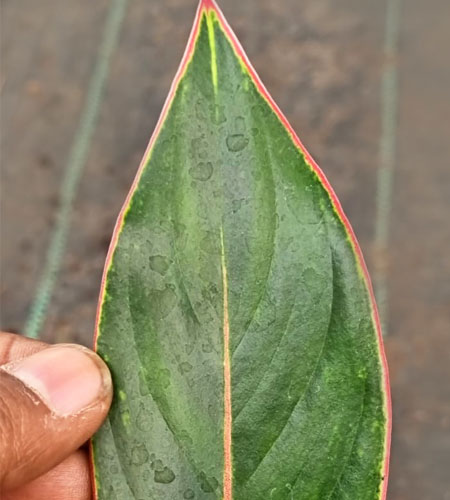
<point x="52" y="399"/>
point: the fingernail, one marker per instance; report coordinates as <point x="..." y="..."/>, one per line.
<point x="67" y="378"/>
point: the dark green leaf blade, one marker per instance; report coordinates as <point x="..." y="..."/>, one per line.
<point x="236" y="313"/>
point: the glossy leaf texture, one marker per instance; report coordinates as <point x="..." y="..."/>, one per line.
<point x="236" y="313"/>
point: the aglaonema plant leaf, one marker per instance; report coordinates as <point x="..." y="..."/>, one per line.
<point x="236" y="313"/>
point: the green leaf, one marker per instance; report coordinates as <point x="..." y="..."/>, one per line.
<point x="236" y="312"/>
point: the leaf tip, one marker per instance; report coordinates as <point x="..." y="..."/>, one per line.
<point x="208" y="5"/>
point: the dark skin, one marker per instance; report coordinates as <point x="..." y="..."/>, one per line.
<point x="43" y="433"/>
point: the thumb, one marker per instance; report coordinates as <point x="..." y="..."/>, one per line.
<point x="50" y="404"/>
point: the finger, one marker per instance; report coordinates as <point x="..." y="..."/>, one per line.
<point x="50" y="403"/>
<point x="67" y="481"/>
<point x="14" y="346"/>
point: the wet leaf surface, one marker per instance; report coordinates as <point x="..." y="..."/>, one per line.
<point x="235" y="314"/>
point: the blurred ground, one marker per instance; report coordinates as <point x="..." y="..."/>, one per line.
<point x="322" y="61"/>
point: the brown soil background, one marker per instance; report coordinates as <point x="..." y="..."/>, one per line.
<point x="322" y="60"/>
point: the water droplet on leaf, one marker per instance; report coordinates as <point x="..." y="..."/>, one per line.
<point x="139" y="455"/>
<point x="208" y="484"/>
<point x="199" y="147"/>
<point x="240" y="124"/>
<point x="159" y="264"/>
<point x="156" y="464"/>
<point x="202" y="171"/>
<point x="237" y="142"/>
<point x="207" y="348"/>
<point x="143" y="420"/>
<point x="185" y="367"/>
<point x="164" y="476"/>
<point x="163" y="301"/>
